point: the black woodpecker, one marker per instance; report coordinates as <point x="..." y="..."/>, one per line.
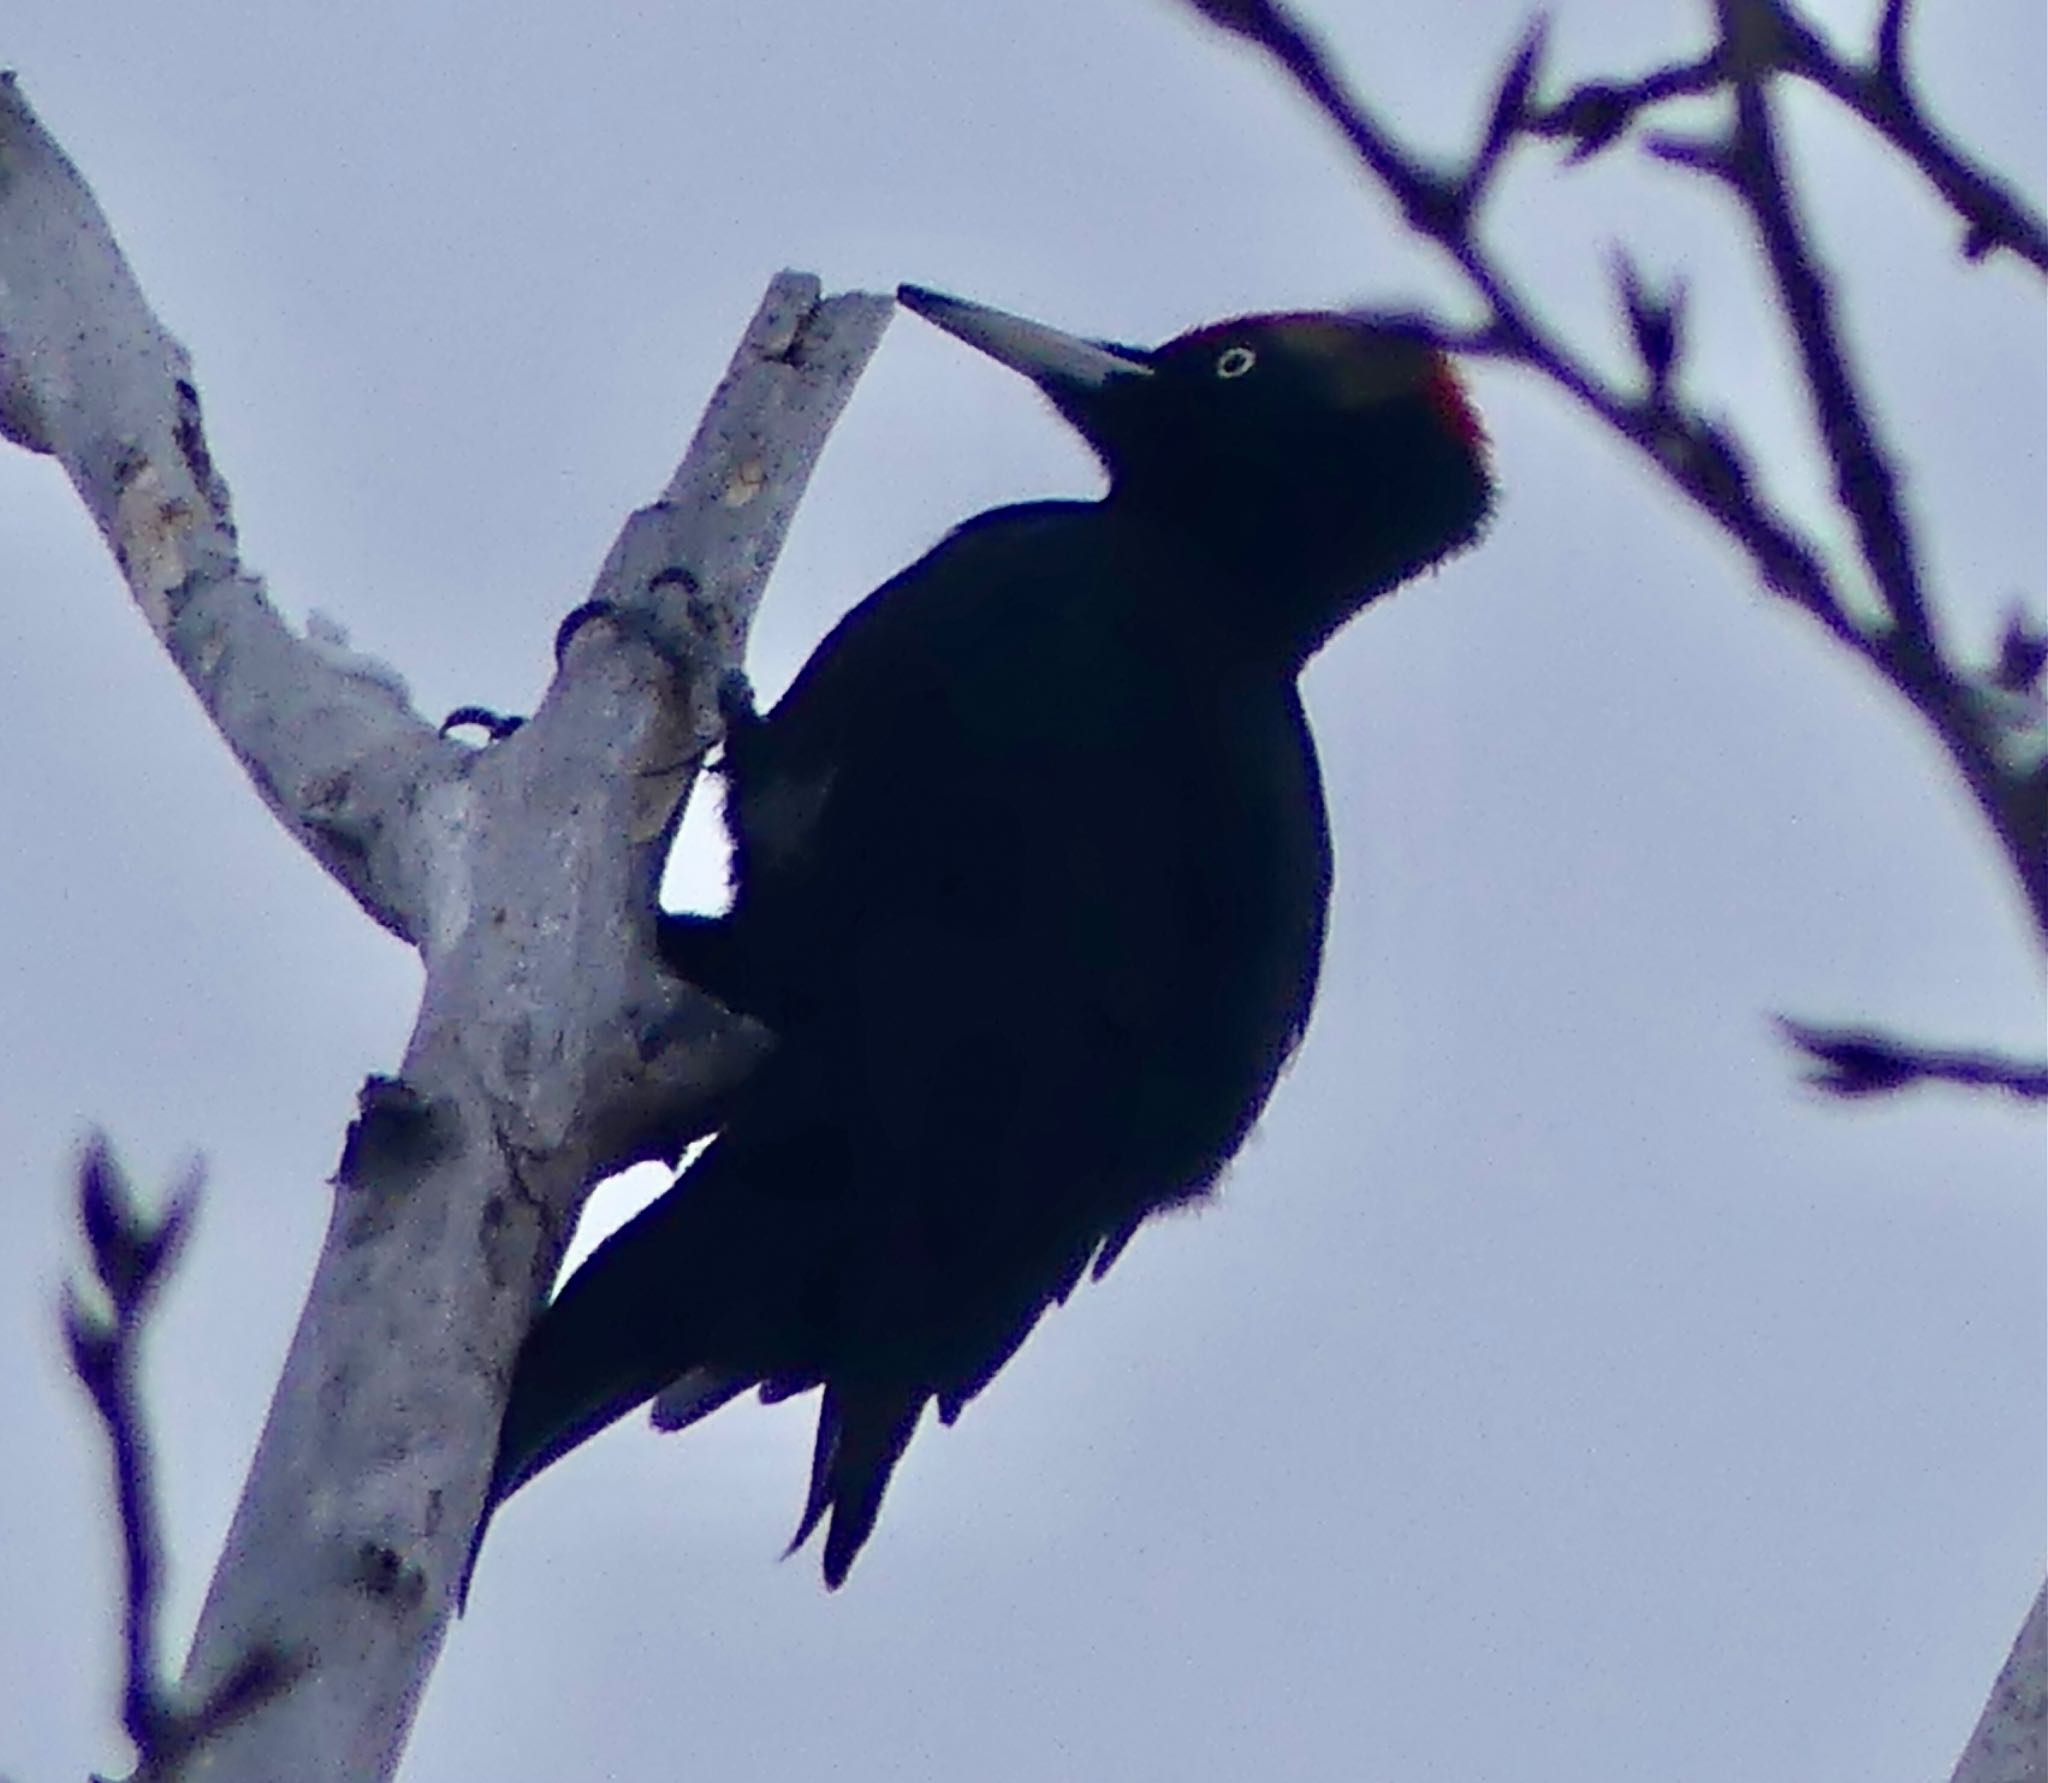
<point x="1031" y="870"/>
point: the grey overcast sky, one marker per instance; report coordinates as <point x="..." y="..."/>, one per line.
<point x="1558" y="1394"/>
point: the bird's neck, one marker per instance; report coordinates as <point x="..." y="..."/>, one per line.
<point x="1264" y="599"/>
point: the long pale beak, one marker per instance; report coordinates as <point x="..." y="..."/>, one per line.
<point x="1056" y="362"/>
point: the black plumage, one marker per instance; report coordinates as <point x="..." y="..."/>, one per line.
<point x="1031" y="869"/>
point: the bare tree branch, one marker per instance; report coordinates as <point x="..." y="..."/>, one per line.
<point x="1696" y="454"/>
<point x="133" y="1253"/>
<point x="89" y="376"/>
<point x="551" y="1046"/>
<point x="1992" y="720"/>
<point x="2010" y="1744"/>
<point x="1880" y="92"/>
<point x="1865" y="483"/>
<point x="1597" y="114"/>
<point x="1996" y="735"/>
<point x="1864" y="1062"/>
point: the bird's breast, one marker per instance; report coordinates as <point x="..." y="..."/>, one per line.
<point x="1017" y="835"/>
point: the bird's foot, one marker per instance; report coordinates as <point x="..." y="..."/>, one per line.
<point x="577" y="618"/>
<point x="496" y="726"/>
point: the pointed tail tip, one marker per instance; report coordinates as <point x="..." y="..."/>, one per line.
<point x="860" y="1440"/>
<point x="839" y="1554"/>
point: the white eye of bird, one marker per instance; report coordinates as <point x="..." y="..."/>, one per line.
<point x="1234" y="362"/>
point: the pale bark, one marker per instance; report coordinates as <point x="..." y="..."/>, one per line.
<point x="550" y="1047"/>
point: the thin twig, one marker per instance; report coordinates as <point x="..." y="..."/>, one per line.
<point x="551" y="1046"/>
<point x="1998" y="743"/>
<point x="1881" y="94"/>
<point x="1865" y="483"/>
<point x="1597" y="114"/>
<point x="133" y="1252"/>
<point x="1701" y="458"/>
<point x="1865" y="1062"/>
<point x="389" y="1399"/>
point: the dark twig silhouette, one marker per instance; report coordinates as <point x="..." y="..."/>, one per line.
<point x="1596" y="114"/>
<point x="132" y="1253"/>
<point x="1992" y="718"/>
<point x="1863" y="1062"/>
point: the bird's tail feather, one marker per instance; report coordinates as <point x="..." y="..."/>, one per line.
<point x="862" y="1433"/>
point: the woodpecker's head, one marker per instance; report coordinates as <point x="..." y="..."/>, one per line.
<point x="1321" y="458"/>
